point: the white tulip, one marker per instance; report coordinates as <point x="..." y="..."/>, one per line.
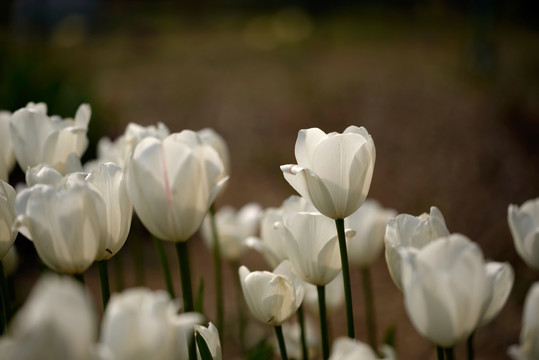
<point x="500" y="278"/>
<point x="172" y="183"/>
<point x="529" y="335"/>
<point x="7" y="217"/>
<point x="38" y="138"/>
<point x="345" y="348"/>
<point x="233" y="228"/>
<point x="210" y="335"/>
<point x="56" y="322"/>
<point x="524" y="225"/>
<point x="216" y="141"/>
<point x="333" y="171"/>
<point x="369" y="223"/>
<point x="141" y="324"/>
<point x="411" y="231"/>
<point x="444" y="287"/>
<point x="270" y="297"/>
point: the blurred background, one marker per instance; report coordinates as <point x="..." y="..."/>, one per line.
<point x="449" y="90"/>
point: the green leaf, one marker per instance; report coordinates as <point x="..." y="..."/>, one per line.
<point x="205" y="353"/>
<point x="199" y="304"/>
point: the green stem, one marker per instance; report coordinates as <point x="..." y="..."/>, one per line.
<point x="164" y="266"/>
<point x="240" y="304"/>
<point x="370" y="315"/>
<point x="216" y="252"/>
<point x="449" y="353"/>
<point x="4" y="300"/>
<point x="104" y="280"/>
<point x="323" y="320"/>
<point x="185" y="274"/>
<point x="301" y="320"/>
<point x="439" y="353"/>
<point x="79" y="278"/>
<point x="469" y="347"/>
<point x="119" y="272"/>
<point x="138" y="259"/>
<point x="280" y="339"/>
<point x="346" y="278"/>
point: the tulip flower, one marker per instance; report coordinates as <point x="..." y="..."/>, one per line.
<point x="349" y="349"/>
<point x="7" y="158"/>
<point x="67" y="225"/>
<point x="7" y="216"/>
<point x="445" y="286"/>
<point x="118" y="151"/>
<point x="38" y="138"/>
<point x="234" y="228"/>
<point x="43" y="174"/>
<point x="500" y="278"/>
<point x="210" y="335"/>
<point x="411" y="231"/>
<point x="271" y="299"/>
<point x="529" y="335"/>
<point x="56" y="322"/>
<point x="141" y="324"/>
<point x="210" y="137"/>
<point x="524" y="225"/>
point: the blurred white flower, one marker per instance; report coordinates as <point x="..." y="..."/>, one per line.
<point x="56" y="322"/>
<point x="333" y="171"/>
<point x="500" y="278"/>
<point x="38" y="138"/>
<point x="414" y="232"/>
<point x="529" y="335"/>
<point x="292" y="339"/>
<point x="369" y="223"/>
<point x="233" y="228"/>
<point x="524" y="225"/>
<point x="216" y="141"/>
<point x="345" y="348"/>
<point x="141" y="324"/>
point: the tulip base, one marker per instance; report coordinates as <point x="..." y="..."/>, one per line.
<point x="280" y="340"/>
<point x="164" y="266"/>
<point x="323" y="320"/>
<point x="104" y="281"/>
<point x="346" y="278"/>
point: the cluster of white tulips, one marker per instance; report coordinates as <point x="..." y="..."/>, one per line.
<point x="77" y="214"/>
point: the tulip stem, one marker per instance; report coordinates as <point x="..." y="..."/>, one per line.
<point x="185" y="274"/>
<point x="164" y="266"/>
<point x="3" y="299"/>
<point x="323" y="320"/>
<point x="301" y="320"/>
<point x="449" y="353"/>
<point x="216" y="252"/>
<point x="79" y="278"/>
<point x="119" y="272"/>
<point x="370" y="315"/>
<point x="346" y="278"/>
<point x="138" y="258"/>
<point x="280" y="339"/>
<point x="234" y="265"/>
<point x="469" y="347"/>
<point x="104" y="280"/>
<point x="439" y="352"/>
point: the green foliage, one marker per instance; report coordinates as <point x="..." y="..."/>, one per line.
<point x="205" y="353"/>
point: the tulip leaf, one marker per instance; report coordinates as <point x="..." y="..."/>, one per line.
<point x="205" y="353"/>
<point x="199" y="304"/>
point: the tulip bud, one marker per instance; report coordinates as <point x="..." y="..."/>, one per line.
<point x="211" y="337"/>
<point x="333" y="171"/>
<point x="524" y="225"/>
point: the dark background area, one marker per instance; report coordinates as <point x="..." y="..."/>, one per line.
<point x="448" y="90"/>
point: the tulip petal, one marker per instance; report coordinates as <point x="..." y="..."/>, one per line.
<point x="306" y="143"/>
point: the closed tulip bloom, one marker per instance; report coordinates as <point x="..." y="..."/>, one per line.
<point x="109" y="179"/>
<point x="56" y="322"/>
<point x="369" y="223"/>
<point x="313" y="247"/>
<point x="67" y="225"/>
<point x="333" y="171"/>
<point x="118" y="151"/>
<point x="524" y="225"/>
<point x="346" y="348"/>
<point x="444" y="286"/>
<point x="38" y="138"/>
<point x="172" y="183"/>
<point x="500" y="278"/>
<point x="7" y="158"/>
<point x="216" y="141"/>
<point x="141" y="324"/>
<point x="211" y="337"/>
<point x="529" y="335"/>
<point x="411" y="231"/>
<point x="7" y="216"/>
<point x="270" y="297"/>
<point x="234" y="227"/>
